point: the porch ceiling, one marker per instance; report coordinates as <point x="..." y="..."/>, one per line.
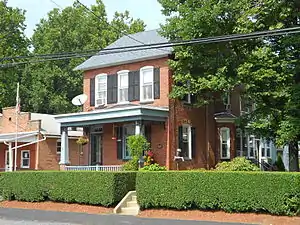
<point x="114" y="114"/>
<point x="22" y="136"/>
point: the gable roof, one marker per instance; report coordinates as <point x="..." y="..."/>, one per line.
<point x="146" y="37"/>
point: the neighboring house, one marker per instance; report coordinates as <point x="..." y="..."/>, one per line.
<point x="38" y="136"/>
<point x="128" y="94"/>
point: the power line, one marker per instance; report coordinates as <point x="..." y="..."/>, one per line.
<point x="56" y="4"/>
<point x="217" y="39"/>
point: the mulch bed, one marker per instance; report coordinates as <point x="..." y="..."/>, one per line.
<point x="218" y="216"/>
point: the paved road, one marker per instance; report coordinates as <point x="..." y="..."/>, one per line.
<point x="38" y="217"/>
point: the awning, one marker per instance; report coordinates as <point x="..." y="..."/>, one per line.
<point x="22" y="137"/>
<point x="114" y="114"/>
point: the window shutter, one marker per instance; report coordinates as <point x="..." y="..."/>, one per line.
<point x="193" y="138"/>
<point x="156" y="82"/>
<point x="112" y="88"/>
<point x="119" y="142"/>
<point x="180" y="133"/>
<point x="148" y="133"/>
<point x="92" y="91"/>
<point x="134" y="86"/>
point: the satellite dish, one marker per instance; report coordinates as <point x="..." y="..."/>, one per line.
<point x="79" y="99"/>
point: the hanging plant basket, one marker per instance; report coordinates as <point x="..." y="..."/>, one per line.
<point x="83" y="140"/>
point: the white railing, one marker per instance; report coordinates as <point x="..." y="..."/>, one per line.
<point x="94" y="168"/>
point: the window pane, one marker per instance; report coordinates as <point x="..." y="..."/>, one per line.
<point x="185" y="150"/>
<point x="224" y="143"/>
<point x="147" y="92"/>
<point x="263" y="152"/>
<point x="123" y="93"/>
<point x="25" y="162"/>
<point x="224" y="150"/>
<point x="268" y="152"/>
<point x="123" y="80"/>
<point x="147" y="76"/>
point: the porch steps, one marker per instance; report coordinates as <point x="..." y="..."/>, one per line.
<point x="128" y="205"/>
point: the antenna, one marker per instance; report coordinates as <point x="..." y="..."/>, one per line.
<point x="79" y="99"/>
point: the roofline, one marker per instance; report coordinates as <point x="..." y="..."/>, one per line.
<point x="121" y="63"/>
<point x="112" y="110"/>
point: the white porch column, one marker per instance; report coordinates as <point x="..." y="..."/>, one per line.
<point x="138" y="128"/>
<point x="10" y="157"/>
<point x="64" y="155"/>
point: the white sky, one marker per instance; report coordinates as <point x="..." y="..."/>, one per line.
<point x="147" y="10"/>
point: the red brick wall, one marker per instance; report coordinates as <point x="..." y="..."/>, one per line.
<point x="164" y="78"/>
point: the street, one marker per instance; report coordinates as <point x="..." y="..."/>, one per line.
<point x="39" y="217"/>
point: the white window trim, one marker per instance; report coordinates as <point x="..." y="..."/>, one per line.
<point x="264" y="145"/>
<point x="124" y="144"/>
<point x="22" y="166"/>
<point x="227" y="129"/>
<point x="189" y="128"/>
<point x="189" y="99"/>
<point x="96" y="88"/>
<point x="253" y="146"/>
<point x="122" y="72"/>
<point x="58" y="141"/>
<point x="145" y="68"/>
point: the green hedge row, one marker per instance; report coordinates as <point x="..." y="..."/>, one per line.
<point x="94" y="188"/>
<point x="275" y="193"/>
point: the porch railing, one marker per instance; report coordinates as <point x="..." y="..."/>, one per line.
<point x="94" y="168"/>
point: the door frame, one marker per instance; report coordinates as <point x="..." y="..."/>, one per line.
<point x="96" y="130"/>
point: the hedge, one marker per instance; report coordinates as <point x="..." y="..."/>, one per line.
<point x="268" y="192"/>
<point x="93" y="188"/>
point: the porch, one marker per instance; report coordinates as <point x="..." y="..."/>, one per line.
<point x="107" y="130"/>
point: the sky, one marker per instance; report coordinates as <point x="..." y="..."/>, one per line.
<point x="147" y="10"/>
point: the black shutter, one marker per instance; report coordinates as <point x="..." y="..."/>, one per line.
<point x="112" y="88"/>
<point x="119" y="142"/>
<point x="92" y="91"/>
<point x="156" y="82"/>
<point x="134" y="86"/>
<point x="148" y="133"/>
<point x="193" y="133"/>
<point x="180" y="141"/>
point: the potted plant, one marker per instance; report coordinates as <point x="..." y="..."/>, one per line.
<point x="82" y="140"/>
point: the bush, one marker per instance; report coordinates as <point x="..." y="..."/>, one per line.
<point x="272" y="192"/>
<point x="153" y="167"/>
<point x="237" y="164"/>
<point x="94" y="188"/>
<point x="137" y="144"/>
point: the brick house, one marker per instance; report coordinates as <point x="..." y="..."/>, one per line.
<point x="38" y="141"/>
<point x="128" y="94"/>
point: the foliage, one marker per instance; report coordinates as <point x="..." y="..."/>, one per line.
<point x="49" y="87"/>
<point x="136" y="144"/>
<point x="12" y="43"/>
<point x="153" y="167"/>
<point x="267" y="192"/>
<point x="266" y="70"/>
<point x="94" y="188"/>
<point x="148" y="158"/>
<point x="82" y="140"/>
<point x="237" y="164"/>
<point x="279" y="163"/>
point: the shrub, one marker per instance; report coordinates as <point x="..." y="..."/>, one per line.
<point x="237" y="164"/>
<point x="137" y="144"/>
<point x="272" y="192"/>
<point x="153" y="167"/>
<point x="94" y="188"/>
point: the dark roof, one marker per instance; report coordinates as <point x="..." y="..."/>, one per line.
<point x="146" y="37"/>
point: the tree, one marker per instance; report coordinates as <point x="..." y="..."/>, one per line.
<point x="266" y="68"/>
<point x="12" y="43"/>
<point x="50" y="87"/>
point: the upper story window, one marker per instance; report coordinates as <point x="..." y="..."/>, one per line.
<point x="225" y="143"/>
<point x="101" y="89"/>
<point x="226" y="100"/>
<point x="123" y="86"/>
<point x="146" y="83"/>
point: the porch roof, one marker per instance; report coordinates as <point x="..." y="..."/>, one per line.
<point x="22" y="136"/>
<point x="114" y="114"/>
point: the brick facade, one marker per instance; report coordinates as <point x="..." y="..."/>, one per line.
<point x="164" y="137"/>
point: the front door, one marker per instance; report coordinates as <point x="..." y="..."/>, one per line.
<point x="96" y="149"/>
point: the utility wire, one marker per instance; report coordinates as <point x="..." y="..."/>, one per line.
<point x="218" y="39"/>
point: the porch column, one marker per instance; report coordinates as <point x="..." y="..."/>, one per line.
<point x="138" y="127"/>
<point x="64" y="155"/>
<point x="10" y="157"/>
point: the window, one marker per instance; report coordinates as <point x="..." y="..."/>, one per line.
<point x="128" y="130"/>
<point x="123" y="86"/>
<point x="101" y="89"/>
<point x="25" y="159"/>
<point x="225" y="143"/>
<point x="147" y="87"/>
<point x="251" y="147"/>
<point x="186" y="144"/>
<point x="58" y="146"/>
<point x="226" y="100"/>
<point x="265" y="149"/>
